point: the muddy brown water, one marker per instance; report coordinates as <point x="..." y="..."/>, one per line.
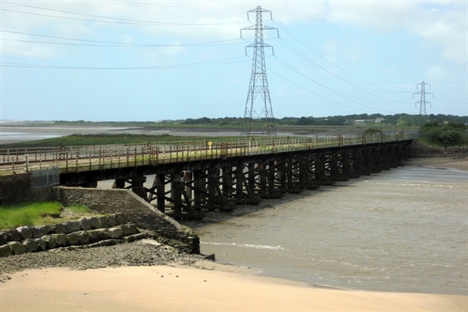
<point x="403" y="230"/>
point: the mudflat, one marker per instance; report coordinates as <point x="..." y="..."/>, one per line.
<point x="440" y="162"/>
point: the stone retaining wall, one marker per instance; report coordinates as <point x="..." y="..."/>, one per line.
<point x="89" y="231"/>
<point x="15" y="188"/>
<point x="135" y="210"/>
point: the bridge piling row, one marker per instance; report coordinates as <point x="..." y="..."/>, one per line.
<point x="221" y="185"/>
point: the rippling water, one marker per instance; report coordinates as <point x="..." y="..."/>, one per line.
<point x="402" y="230"/>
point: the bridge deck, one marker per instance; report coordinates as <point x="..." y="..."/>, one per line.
<point x="90" y="158"/>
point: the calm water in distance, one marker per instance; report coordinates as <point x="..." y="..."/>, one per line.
<point x="403" y="230"/>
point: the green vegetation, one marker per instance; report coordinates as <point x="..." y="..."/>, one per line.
<point x="449" y="134"/>
<point x="35" y="214"/>
<point x="371" y="131"/>
<point x="401" y="120"/>
<point x="235" y="123"/>
<point x="80" y="209"/>
<point x="107" y="139"/>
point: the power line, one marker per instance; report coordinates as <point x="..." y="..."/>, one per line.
<point x="98" y="43"/>
<point x="106" y="19"/>
<point x="354" y="85"/>
<point x="319" y="54"/>
<point x="322" y="85"/>
<point x="239" y="59"/>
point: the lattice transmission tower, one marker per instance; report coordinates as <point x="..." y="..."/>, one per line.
<point x="422" y="102"/>
<point x="260" y="120"/>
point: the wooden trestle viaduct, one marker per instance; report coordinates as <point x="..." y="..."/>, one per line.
<point x="190" y="178"/>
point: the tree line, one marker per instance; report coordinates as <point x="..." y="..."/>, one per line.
<point x="397" y="120"/>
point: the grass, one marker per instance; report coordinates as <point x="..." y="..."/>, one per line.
<point x="108" y="139"/>
<point x="34" y="214"/>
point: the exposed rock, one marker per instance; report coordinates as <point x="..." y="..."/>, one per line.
<point x="102" y="234"/>
<point x="111" y="221"/>
<point x="93" y="236"/>
<point x="59" y="228"/>
<point x="73" y="238"/>
<point x="41" y="230"/>
<point x="115" y="232"/>
<point x="41" y="245"/>
<point x="103" y="222"/>
<point x="11" y="236"/>
<point x="129" y="229"/>
<point x="30" y="244"/>
<point x="5" y="250"/>
<point x="72" y="226"/>
<point x="85" y="225"/>
<point x="24" y="232"/>
<point x="95" y="224"/>
<point x="120" y="219"/>
<point x="3" y="239"/>
<point x="84" y="237"/>
<point x="50" y="241"/>
<point x="60" y="239"/>
<point x="135" y="237"/>
<point x="17" y="248"/>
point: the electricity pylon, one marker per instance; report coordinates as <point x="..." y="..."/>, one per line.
<point x="254" y="122"/>
<point x="422" y="102"/>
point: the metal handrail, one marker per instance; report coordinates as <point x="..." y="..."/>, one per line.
<point x="87" y="158"/>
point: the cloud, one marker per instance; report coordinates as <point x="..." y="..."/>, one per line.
<point x="442" y="23"/>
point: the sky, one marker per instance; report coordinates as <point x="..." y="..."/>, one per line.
<point x="112" y="60"/>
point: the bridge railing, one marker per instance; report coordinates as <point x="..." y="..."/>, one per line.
<point x="87" y="158"/>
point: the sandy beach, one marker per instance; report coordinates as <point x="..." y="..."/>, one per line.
<point x="166" y="288"/>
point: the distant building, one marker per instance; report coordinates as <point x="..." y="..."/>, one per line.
<point x="364" y="121"/>
<point x="368" y="121"/>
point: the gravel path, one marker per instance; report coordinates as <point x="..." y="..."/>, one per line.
<point x="138" y="253"/>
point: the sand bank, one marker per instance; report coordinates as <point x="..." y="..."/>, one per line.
<point x="440" y="162"/>
<point x="165" y="288"/>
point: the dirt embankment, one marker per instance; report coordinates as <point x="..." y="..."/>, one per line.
<point x="420" y="150"/>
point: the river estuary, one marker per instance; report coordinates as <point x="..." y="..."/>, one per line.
<point x="403" y="230"/>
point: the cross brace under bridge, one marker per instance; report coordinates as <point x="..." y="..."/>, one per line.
<point x="190" y="180"/>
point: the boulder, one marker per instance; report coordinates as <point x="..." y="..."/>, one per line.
<point x="102" y="234"/>
<point x="84" y="237"/>
<point x="17" y="248"/>
<point x="59" y="228"/>
<point x="85" y="225"/>
<point x="129" y="229"/>
<point x="24" y="232"/>
<point x="111" y="221"/>
<point x="72" y="226"/>
<point x="41" y="245"/>
<point x="11" y="236"/>
<point x="133" y="228"/>
<point x="93" y="236"/>
<point x="30" y="244"/>
<point x="95" y="224"/>
<point x="115" y="232"/>
<point x="120" y="219"/>
<point x="103" y="222"/>
<point x="41" y="230"/>
<point x="73" y="238"/>
<point x="5" y="250"/>
<point x="60" y="239"/>
<point x="50" y="241"/>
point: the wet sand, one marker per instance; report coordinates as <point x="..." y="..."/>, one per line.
<point x="166" y="288"/>
<point x="440" y="162"/>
